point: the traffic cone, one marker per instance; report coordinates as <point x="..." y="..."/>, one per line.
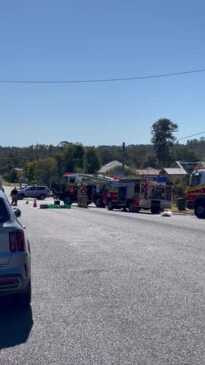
<point x="34" y="203"/>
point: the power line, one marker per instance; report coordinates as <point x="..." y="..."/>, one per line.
<point x="192" y="135"/>
<point x="102" y="80"/>
<point x="179" y="139"/>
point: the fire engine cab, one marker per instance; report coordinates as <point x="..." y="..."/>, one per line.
<point x="196" y="192"/>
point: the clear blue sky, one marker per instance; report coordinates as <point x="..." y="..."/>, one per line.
<point x="89" y="39"/>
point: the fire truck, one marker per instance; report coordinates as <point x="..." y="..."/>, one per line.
<point x="136" y="194"/>
<point x="73" y="183"/>
<point x="196" y="192"/>
<point x="93" y="192"/>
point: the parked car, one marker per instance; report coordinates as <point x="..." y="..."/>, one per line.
<point x="15" y="256"/>
<point x="33" y="191"/>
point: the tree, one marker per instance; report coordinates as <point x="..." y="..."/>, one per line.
<point x="184" y="153"/>
<point x="42" y="171"/>
<point x="78" y="153"/>
<point x="163" y="140"/>
<point x="60" y="168"/>
<point x="13" y="177"/>
<point x="73" y="157"/>
<point x="91" y="163"/>
<point x="46" y="170"/>
<point x="30" y="171"/>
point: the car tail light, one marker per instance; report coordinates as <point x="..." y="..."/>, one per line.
<point x="17" y="241"/>
<point x="12" y="241"/>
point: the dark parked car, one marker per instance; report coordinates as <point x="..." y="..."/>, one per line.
<point x="34" y="191"/>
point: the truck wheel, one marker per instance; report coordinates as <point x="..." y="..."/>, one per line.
<point x="98" y="203"/>
<point x="109" y="205"/>
<point x="155" y="210"/>
<point x="199" y="209"/>
<point x="131" y="208"/>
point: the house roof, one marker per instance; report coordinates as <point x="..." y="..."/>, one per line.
<point x="175" y="171"/>
<point x="149" y="171"/>
<point x="110" y="165"/>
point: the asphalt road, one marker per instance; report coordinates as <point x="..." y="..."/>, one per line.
<point x="109" y="288"/>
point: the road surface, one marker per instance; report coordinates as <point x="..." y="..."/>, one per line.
<point x="109" y="288"/>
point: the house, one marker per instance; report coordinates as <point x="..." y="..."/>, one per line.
<point x="113" y="165"/>
<point x="174" y="173"/>
<point x="189" y="166"/>
<point x="148" y="172"/>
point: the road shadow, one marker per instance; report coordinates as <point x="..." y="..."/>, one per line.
<point x="15" y="324"/>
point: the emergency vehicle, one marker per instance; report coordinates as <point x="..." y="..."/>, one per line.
<point x="136" y="194"/>
<point x="94" y="191"/>
<point x="73" y="183"/>
<point x="196" y="192"/>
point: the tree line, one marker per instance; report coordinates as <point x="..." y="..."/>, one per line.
<point x="45" y="163"/>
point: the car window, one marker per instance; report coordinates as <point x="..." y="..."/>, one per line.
<point x="40" y="188"/>
<point x="32" y="188"/>
<point x="72" y="180"/>
<point x="4" y="215"/>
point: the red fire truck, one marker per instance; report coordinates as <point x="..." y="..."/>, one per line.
<point x="136" y="194"/>
<point x="69" y="190"/>
<point x="196" y="192"/>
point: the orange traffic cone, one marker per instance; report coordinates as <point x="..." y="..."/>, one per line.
<point x="34" y="203"/>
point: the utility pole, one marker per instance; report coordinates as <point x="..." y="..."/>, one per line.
<point x="123" y="157"/>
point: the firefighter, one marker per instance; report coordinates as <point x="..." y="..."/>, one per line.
<point x="14" y="196"/>
<point x="145" y="187"/>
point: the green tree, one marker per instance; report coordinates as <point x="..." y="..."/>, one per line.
<point x="73" y="157"/>
<point x="78" y="153"/>
<point x="163" y="140"/>
<point x="184" y="153"/>
<point x="46" y="170"/>
<point x="197" y="146"/>
<point x="30" y="171"/>
<point x="91" y="163"/>
<point x="60" y="166"/>
<point x="13" y="177"/>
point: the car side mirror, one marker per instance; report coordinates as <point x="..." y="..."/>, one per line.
<point x="17" y="212"/>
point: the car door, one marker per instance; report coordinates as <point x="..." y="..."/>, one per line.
<point x="30" y="192"/>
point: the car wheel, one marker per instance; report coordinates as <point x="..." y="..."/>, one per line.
<point x="42" y="197"/>
<point x="20" y="197"/>
<point x="24" y="298"/>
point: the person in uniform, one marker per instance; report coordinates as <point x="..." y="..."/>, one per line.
<point x="14" y="196"/>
